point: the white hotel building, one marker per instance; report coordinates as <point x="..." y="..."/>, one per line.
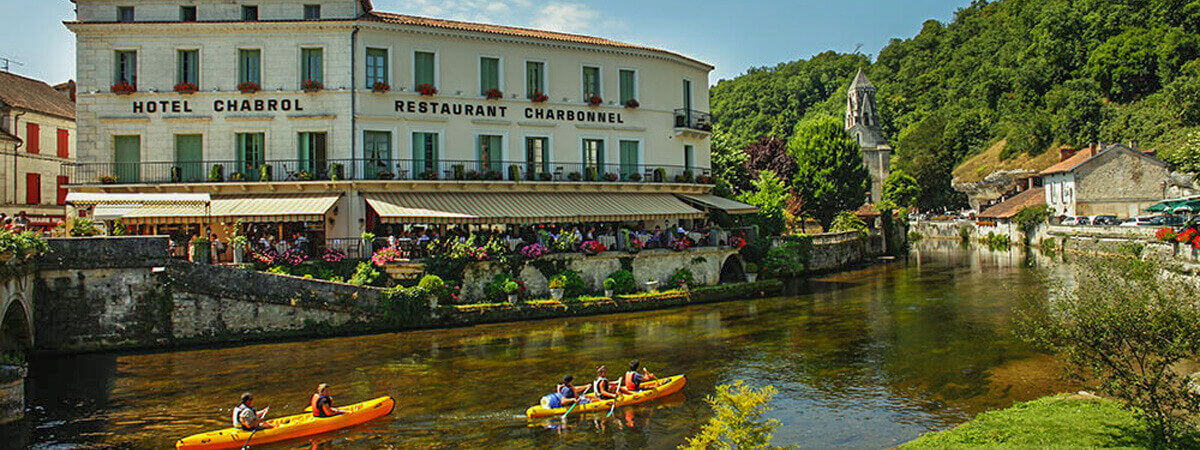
<point x="322" y="113"/>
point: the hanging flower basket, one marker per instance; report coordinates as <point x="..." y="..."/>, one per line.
<point x="311" y="86"/>
<point x="380" y="87"/>
<point x="632" y="103"/>
<point x="595" y="100"/>
<point x="123" y="88"/>
<point x="493" y="94"/>
<point x="186" y="87"/>
<point x="539" y="97"/>
<point x="248" y="87"/>
<point x="427" y="90"/>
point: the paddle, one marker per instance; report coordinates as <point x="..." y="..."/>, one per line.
<point x="255" y="430"/>
<point x="578" y="400"/>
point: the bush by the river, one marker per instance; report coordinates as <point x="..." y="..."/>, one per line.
<point x="737" y="421"/>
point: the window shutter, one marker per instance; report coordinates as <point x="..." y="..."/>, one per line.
<point x="33" y="189"/>
<point x="62" y="183"/>
<point x="64" y="143"/>
<point x="33" y="136"/>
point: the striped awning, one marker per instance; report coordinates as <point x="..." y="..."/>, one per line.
<point x="709" y="201"/>
<point x="525" y="207"/>
<point x="113" y="200"/>
<point x="250" y="208"/>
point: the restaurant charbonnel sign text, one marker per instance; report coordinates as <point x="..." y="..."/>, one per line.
<point x="501" y="112"/>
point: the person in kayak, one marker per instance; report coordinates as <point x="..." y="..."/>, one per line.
<point x="602" y="387"/>
<point x="322" y="403"/>
<point x="246" y="418"/>
<point x="632" y="381"/>
<point x="564" y="394"/>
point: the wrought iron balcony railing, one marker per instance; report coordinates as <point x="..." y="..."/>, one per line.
<point x="376" y="169"/>
<point x="693" y="120"/>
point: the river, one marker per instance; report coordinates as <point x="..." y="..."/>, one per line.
<point x="867" y="359"/>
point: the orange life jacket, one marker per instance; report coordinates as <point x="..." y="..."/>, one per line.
<point x="629" y="383"/>
<point x="319" y="410"/>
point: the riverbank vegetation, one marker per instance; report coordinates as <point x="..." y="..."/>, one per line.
<point x="737" y="421"/>
<point x="1128" y="326"/>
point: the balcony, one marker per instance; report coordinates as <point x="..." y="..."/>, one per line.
<point x="376" y="169"/>
<point x="693" y="123"/>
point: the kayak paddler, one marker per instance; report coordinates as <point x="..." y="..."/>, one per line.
<point x="322" y="403"/>
<point x="602" y="387"/>
<point x="564" y="394"/>
<point x="246" y="418"/>
<point x="632" y="380"/>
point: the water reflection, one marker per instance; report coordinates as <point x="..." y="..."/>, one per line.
<point x="870" y="358"/>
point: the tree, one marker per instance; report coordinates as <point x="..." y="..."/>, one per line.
<point x="737" y="420"/>
<point x="1126" y="65"/>
<point x="830" y="176"/>
<point x="901" y="189"/>
<point x="770" y="153"/>
<point x="1128" y="327"/>
<point x="771" y="197"/>
<point x="1187" y="156"/>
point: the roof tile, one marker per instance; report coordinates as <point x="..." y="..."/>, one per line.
<point x="33" y="95"/>
<point x="1009" y="208"/>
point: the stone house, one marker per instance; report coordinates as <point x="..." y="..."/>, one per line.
<point x="1117" y="180"/>
<point x="37" y="136"/>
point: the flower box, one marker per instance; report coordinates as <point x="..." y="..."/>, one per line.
<point x="427" y="90"/>
<point x="123" y="88"/>
<point x="108" y="179"/>
<point x="186" y="88"/>
<point x="311" y="86"/>
<point x="632" y="103"/>
<point x="493" y="94"/>
<point x="248" y="87"/>
<point x="380" y="87"/>
<point x="539" y="97"/>
<point x="595" y="100"/>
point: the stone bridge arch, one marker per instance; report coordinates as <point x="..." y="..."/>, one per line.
<point x="733" y="269"/>
<point x="16" y="316"/>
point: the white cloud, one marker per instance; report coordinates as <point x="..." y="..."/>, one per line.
<point x="568" y="17"/>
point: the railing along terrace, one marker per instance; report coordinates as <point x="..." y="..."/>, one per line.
<point x="693" y="119"/>
<point x="377" y="169"/>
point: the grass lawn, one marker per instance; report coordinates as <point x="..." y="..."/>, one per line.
<point x="1060" y="421"/>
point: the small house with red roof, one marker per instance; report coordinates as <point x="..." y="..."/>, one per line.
<point x="1117" y="180"/>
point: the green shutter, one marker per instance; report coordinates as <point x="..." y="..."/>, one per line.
<point x="629" y="158"/>
<point x="249" y="62"/>
<point x="591" y="81"/>
<point x="627" y="86"/>
<point x="420" y="142"/>
<point x="377" y="66"/>
<point x="127" y="154"/>
<point x="423" y="68"/>
<point x="489" y="151"/>
<point x="489" y="74"/>
<point x="189" y="156"/>
<point x="534" y="78"/>
<point x="311" y="65"/>
<point x="188" y="67"/>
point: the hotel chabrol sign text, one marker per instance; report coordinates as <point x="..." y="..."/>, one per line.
<point x="501" y="112"/>
<point x="219" y="105"/>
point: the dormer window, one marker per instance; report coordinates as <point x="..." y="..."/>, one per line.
<point x="312" y="12"/>
<point x="187" y="13"/>
<point x="250" y="12"/>
<point x="124" y="14"/>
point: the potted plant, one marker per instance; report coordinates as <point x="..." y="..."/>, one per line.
<point x="610" y="177"/>
<point x="217" y="174"/>
<point x="660" y="175"/>
<point x="558" y="285"/>
<point x="493" y="94"/>
<point x="574" y="176"/>
<point x="429" y="175"/>
<point x="514" y="172"/>
<point x="123" y="88"/>
<point x="704" y="179"/>
<point x="237" y="176"/>
<point x="8" y="246"/>
<point x="539" y="97"/>
<point x="545" y="176"/>
<point x="427" y="90"/>
<point x="337" y="171"/>
<point x="591" y="174"/>
<point x="459" y="172"/>
<point x="511" y="288"/>
<point x="186" y="87"/>
<point x="304" y="175"/>
<point x="635" y="246"/>
<point x="240" y="244"/>
<point x="594" y="100"/>
<point x="592" y="248"/>
<point x="609" y="285"/>
<point x="651" y="284"/>
<point x="434" y="288"/>
<point x="176" y="174"/>
<point x="751" y="272"/>
<point x="368" y="241"/>
<point x="380" y="87"/>
<point x="634" y="177"/>
<point x="248" y="87"/>
<point x="473" y="175"/>
<point x="108" y="179"/>
<point x="632" y="103"/>
<point x="311" y="86"/>
<point x="266" y="172"/>
<point x="201" y="251"/>
<point x="385" y="174"/>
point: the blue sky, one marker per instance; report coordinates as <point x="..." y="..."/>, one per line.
<point x="731" y="35"/>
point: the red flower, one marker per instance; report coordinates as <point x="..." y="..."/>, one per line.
<point x="311" y="85"/>
<point x="124" y="88"/>
<point x="632" y="103"/>
<point x="1196" y="243"/>
<point x="427" y="90"/>
<point x="595" y="100"/>
<point x="493" y="94"/>
<point x="380" y="86"/>
<point x="539" y="97"/>
<point x="1165" y="234"/>
<point x="186" y="87"/>
<point x="248" y="87"/>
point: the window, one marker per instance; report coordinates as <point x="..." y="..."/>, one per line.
<point x="312" y="152"/>
<point x="628" y="81"/>
<point x="689" y="155"/>
<point x="377" y="148"/>
<point x="249" y="12"/>
<point x="61" y="184"/>
<point x="127" y="158"/>
<point x="310" y="65"/>
<point x="425" y="153"/>
<point x="535" y="78"/>
<point x="124" y="14"/>
<point x="687" y="98"/>
<point x="64" y="143"/>
<point x="312" y="12"/>
<point x="591" y="82"/>
<point x="33" y="189"/>
<point x="424" y="68"/>
<point x="537" y="156"/>
<point x="250" y="66"/>
<point x="189" y="158"/>
<point x="489" y="74"/>
<point x="125" y="67"/>
<point x="188" y="70"/>
<point x="33" y="137"/>
<point x="187" y="13"/>
<point x="630" y="163"/>
<point x="251" y="153"/>
<point x="593" y="154"/>
<point x="377" y="66"/>
<point x="489" y="153"/>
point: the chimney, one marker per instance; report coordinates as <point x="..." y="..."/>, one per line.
<point x="1066" y="153"/>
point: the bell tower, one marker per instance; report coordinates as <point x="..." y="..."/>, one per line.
<point x="862" y="123"/>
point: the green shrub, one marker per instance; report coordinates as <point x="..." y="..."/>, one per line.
<point x="784" y="262"/>
<point x="751" y="268"/>
<point x="573" y="285"/>
<point x="609" y="284"/>
<point x="737" y="421"/>
<point x="681" y="277"/>
<point x="364" y="275"/>
<point x="217" y="174"/>
<point x="756" y="251"/>
<point x="848" y="221"/>
<point x="623" y="282"/>
<point x="497" y="289"/>
<point x="431" y="283"/>
<point x="914" y="236"/>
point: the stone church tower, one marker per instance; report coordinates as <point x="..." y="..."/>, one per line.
<point x="862" y="122"/>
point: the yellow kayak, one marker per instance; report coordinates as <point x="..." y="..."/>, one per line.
<point x="653" y="390"/>
<point x="291" y="427"/>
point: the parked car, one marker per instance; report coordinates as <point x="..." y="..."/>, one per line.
<point x="1143" y="221"/>
<point x="1076" y="221"/>
<point x="1104" y="220"/>
<point x="1173" y="221"/>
